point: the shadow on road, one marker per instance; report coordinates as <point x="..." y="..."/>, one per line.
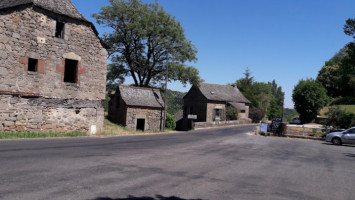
<point x="158" y="197"/>
<point x="343" y="145"/>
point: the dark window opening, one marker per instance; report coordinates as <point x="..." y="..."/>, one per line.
<point x="59" y="30"/>
<point x="140" y="124"/>
<point x="71" y="71"/>
<point x="32" y="64"/>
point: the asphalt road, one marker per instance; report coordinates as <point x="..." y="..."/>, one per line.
<point x="214" y="164"/>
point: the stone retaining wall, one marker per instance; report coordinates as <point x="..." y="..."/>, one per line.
<point x="26" y="114"/>
<point x="197" y="125"/>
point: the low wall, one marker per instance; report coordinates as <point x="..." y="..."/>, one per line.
<point x="41" y="115"/>
<point x="197" y="125"/>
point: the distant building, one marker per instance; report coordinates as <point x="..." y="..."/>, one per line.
<point x="208" y="102"/>
<point x="53" y="68"/>
<point x="137" y="108"/>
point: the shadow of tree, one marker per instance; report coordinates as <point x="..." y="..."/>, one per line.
<point x="350" y="155"/>
<point x="157" y="197"/>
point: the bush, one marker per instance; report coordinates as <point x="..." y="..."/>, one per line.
<point x="256" y="114"/>
<point x="343" y="101"/>
<point x="232" y="113"/>
<point x="340" y="118"/>
<point x="170" y="122"/>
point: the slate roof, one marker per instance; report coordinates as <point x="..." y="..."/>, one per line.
<point x="240" y="106"/>
<point x="226" y="93"/>
<point x="63" y="7"/>
<point x="137" y="96"/>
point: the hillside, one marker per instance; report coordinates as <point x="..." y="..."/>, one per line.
<point x="350" y="108"/>
<point x="175" y="101"/>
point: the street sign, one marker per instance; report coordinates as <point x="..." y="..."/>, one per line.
<point x="191" y="116"/>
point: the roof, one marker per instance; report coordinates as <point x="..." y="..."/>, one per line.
<point x="239" y="106"/>
<point x="138" y="96"/>
<point x="227" y="93"/>
<point x="63" y="7"/>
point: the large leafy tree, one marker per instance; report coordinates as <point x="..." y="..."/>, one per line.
<point x="145" y="41"/>
<point x="309" y="97"/>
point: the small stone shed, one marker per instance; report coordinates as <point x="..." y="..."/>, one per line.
<point x="137" y="108"/>
<point x="52" y="68"/>
<point x="209" y="102"/>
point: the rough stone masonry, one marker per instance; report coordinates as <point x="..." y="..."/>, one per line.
<point x="52" y="69"/>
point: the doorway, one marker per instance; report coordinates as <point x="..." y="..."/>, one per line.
<point x="140" y="124"/>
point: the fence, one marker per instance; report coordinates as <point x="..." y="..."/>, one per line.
<point x="309" y="131"/>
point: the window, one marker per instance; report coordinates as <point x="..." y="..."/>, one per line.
<point x="59" y="30"/>
<point x="32" y="65"/>
<point x="71" y="71"/>
<point x="217" y="114"/>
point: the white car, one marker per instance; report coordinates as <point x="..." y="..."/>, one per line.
<point x="342" y="137"/>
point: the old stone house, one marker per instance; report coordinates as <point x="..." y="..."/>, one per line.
<point x="52" y="68"/>
<point x="137" y="108"/>
<point x="209" y="102"/>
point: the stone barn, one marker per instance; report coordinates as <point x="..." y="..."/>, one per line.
<point x="137" y="108"/>
<point x="208" y="103"/>
<point x="52" y="68"/>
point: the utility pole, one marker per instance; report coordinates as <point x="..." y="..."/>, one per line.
<point x="165" y="96"/>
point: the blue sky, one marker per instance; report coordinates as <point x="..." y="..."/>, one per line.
<point x="285" y="40"/>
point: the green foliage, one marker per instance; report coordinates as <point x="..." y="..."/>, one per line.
<point x="340" y="118"/>
<point x="265" y="96"/>
<point x="309" y="97"/>
<point x="349" y="100"/>
<point x="329" y="77"/>
<point x="289" y="114"/>
<point x="39" y="135"/>
<point x="175" y="101"/>
<point x="232" y="113"/>
<point x="170" y="122"/>
<point x="145" y="41"/>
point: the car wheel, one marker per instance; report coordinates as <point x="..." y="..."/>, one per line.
<point x="336" y="141"/>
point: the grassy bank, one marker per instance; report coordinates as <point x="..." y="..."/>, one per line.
<point x="39" y="135"/>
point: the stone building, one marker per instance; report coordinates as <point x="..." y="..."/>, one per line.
<point x="209" y="102"/>
<point x="137" y="108"/>
<point x="52" y="68"/>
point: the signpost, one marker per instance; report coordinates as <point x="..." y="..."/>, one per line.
<point x="276" y="124"/>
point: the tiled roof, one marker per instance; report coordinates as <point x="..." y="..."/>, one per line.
<point x="63" y="7"/>
<point x="226" y="93"/>
<point x="137" y="96"/>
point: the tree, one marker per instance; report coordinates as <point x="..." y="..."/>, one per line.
<point x="329" y="77"/>
<point x="144" y="42"/>
<point x="309" y="97"/>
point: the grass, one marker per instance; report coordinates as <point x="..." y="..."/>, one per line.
<point x="39" y="135"/>
<point x="110" y="129"/>
<point x="349" y="108"/>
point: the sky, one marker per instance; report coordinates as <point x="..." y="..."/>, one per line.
<point x="282" y="40"/>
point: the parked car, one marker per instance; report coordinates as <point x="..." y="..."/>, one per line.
<point x="342" y="137"/>
<point x="295" y="121"/>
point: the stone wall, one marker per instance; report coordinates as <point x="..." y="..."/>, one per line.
<point x="26" y="33"/>
<point x="36" y="114"/>
<point x="211" y="107"/>
<point x="199" y="125"/>
<point x="153" y="118"/>
<point x="29" y="32"/>
<point x="244" y="115"/>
